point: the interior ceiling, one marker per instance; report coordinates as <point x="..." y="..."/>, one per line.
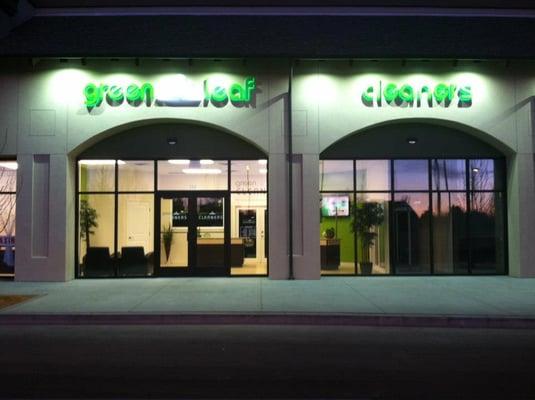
<point x="509" y="4"/>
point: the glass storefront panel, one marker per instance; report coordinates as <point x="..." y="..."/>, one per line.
<point x="135" y="236"/>
<point x="411" y="235"/>
<point x="248" y="176"/>
<point x="174" y="240"/>
<point x="487" y="229"/>
<point x="8" y="176"/>
<point x="373" y="175"/>
<point x="411" y="175"/>
<point x="96" y="175"/>
<point x="371" y="224"/>
<point x="448" y="175"/>
<point x="96" y="234"/>
<point x="487" y="175"/>
<point x="193" y="175"/>
<point x="450" y="236"/>
<point x="248" y="233"/>
<point x="8" y="205"/>
<point x="336" y="175"/>
<point x="136" y="176"/>
<point x="210" y="232"/>
<point x="337" y="241"/>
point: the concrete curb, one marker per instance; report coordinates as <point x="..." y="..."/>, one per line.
<point x="487" y="322"/>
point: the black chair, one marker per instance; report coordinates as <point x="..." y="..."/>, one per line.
<point x="133" y="261"/>
<point x="98" y="262"/>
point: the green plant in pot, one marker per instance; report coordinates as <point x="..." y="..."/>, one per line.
<point x="88" y="221"/>
<point x="366" y="216"/>
<point x="167" y="237"/>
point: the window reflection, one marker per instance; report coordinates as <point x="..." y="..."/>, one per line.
<point x="336" y="175"/>
<point x="411" y="175"/>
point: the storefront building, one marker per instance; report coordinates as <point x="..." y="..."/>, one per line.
<point x="202" y="167"/>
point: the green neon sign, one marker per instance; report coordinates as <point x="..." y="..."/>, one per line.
<point x="441" y="94"/>
<point x="238" y="93"/>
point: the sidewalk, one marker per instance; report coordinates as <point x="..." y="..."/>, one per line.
<point x="415" y="301"/>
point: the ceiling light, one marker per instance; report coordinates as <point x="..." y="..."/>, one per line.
<point x="201" y="171"/>
<point x="172" y="141"/>
<point x="262" y="162"/>
<point x="207" y="162"/>
<point x="412" y="140"/>
<point x="9" y="164"/>
<point x="263" y="170"/>
<point x="178" y="162"/>
<point x="98" y="162"/>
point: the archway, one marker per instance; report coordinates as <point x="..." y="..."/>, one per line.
<point x="171" y="199"/>
<point x="415" y="198"/>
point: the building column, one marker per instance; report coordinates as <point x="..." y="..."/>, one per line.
<point x="521" y="214"/>
<point x="306" y="221"/>
<point x="45" y="218"/>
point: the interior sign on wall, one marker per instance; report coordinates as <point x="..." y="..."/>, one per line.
<point x="183" y="94"/>
<point x="405" y="95"/>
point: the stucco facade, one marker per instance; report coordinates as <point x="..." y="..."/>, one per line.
<point x="47" y="125"/>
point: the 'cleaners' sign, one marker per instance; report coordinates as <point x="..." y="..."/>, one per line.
<point x="404" y="95"/>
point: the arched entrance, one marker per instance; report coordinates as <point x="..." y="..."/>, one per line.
<point x="413" y="199"/>
<point x="171" y="199"/>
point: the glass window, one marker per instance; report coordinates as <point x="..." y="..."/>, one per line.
<point x="373" y="175"/>
<point x="8" y="176"/>
<point x="96" y="175"/>
<point x="486" y="175"/>
<point x="192" y="175"/>
<point x="8" y="204"/>
<point x="371" y="224"/>
<point x="248" y="176"/>
<point x="136" y="176"/>
<point x="248" y="234"/>
<point x="450" y="236"/>
<point x="135" y="235"/>
<point x="448" y="174"/>
<point x="336" y="175"/>
<point x="487" y="227"/>
<point x="411" y="175"/>
<point x="337" y="242"/>
<point x="96" y="229"/>
<point x="411" y="233"/>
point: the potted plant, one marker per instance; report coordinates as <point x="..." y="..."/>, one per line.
<point x="366" y="216"/>
<point x="329" y="233"/>
<point x="88" y="220"/>
<point x="167" y="237"/>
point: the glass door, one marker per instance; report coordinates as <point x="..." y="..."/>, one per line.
<point x="194" y="239"/>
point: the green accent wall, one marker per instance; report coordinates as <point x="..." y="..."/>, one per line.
<point x="347" y="253"/>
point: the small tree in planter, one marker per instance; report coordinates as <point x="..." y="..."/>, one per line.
<point x="366" y="216"/>
<point x="88" y="221"/>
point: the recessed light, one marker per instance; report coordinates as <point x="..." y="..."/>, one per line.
<point x="207" y="162"/>
<point x="412" y="140"/>
<point x="262" y="162"/>
<point x="172" y="141"/>
<point x="178" y="162"/>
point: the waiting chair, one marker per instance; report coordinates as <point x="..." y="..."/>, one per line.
<point x="98" y="262"/>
